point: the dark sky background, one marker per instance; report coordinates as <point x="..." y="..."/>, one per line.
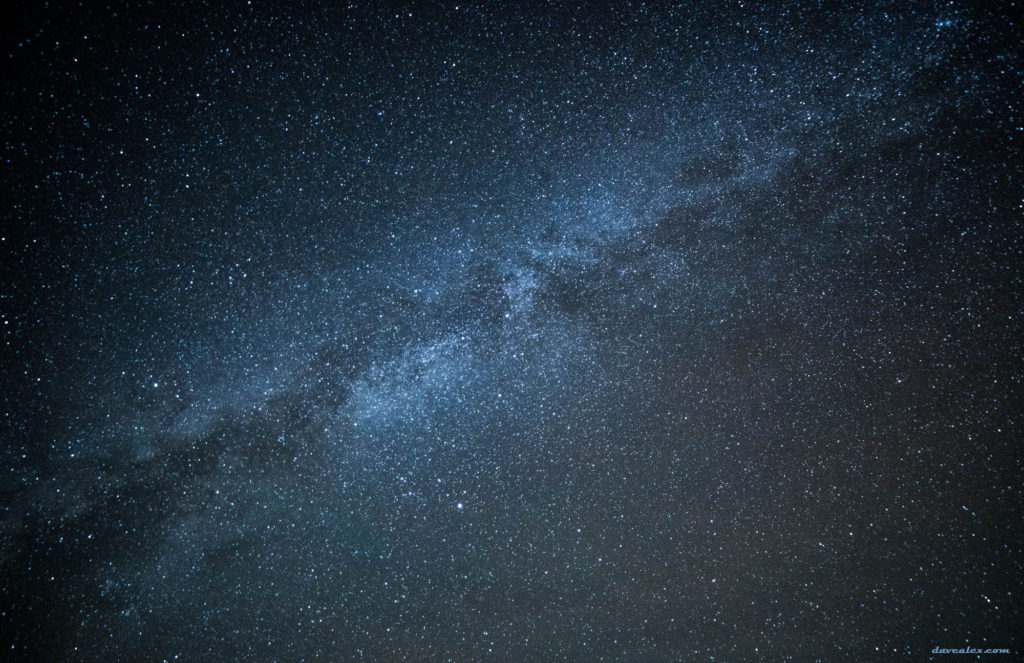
<point x="511" y="331"/>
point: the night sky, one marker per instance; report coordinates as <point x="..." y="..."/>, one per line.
<point x="460" y="331"/>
